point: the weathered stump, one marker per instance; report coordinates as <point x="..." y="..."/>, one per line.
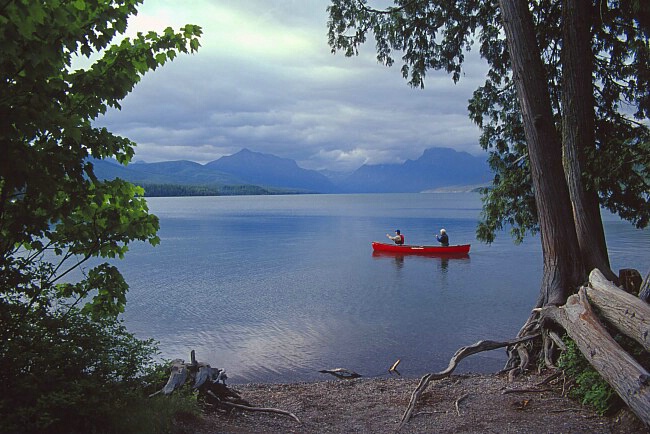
<point x="630" y="280"/>
<point x="211" y="385"/>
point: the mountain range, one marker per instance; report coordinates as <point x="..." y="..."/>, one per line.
<point x="437" y="168"/>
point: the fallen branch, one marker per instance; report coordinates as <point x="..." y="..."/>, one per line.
<point x="460" y="355"/>
<point x="458" y="402"/>
<point x="252" y="409"/>
<point x="341" y="373"/>
<point x="525" y="390"/>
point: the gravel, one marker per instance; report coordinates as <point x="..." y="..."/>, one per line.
<point x="457" y="404"/>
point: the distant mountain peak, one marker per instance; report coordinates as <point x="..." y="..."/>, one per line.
<point x="435" y="168"/>
<point x="273" y="171"/>
<point x="252" y="158"/>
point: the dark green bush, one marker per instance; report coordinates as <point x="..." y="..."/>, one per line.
<point x="588" y="386"/>
<point x="66" y="373"/>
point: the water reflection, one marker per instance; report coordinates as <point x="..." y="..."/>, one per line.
<point x="442" y="259"/>
<point x="442" y="256"/>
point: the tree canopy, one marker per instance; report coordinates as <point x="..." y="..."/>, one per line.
<point x="564" y="115"/>
<point x="59" y="303"/>
<point x="432" y="35"/>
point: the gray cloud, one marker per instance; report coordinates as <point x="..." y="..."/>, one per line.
<point x="266" y="80"/>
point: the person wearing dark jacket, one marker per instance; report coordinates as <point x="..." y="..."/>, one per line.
<point x="443" y="238"/>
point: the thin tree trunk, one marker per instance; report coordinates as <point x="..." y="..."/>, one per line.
<point x="563" y="268"/>
<point x="578" y="132"/>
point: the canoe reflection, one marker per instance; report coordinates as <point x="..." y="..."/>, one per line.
<point x="462" y="256"/>
<point x="443" y="258"/>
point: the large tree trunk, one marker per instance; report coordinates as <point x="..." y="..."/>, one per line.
<point x="578" y="120"/>
<point x="563" y="268"/>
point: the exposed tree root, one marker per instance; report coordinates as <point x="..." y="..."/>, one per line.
<point x="460" y="355"/>
<point x="251" y="408"/>
<point x="550" y="378"/>
<point x="518" y="354"/>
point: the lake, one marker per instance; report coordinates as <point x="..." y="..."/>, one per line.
<point x="275" y="288"/>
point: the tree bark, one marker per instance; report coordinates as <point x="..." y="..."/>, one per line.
<point x="644" y="292"/>
<point x="626" y="376"/>
<point x="629" y="314"/>
<point x="563" y="269"/>
<point x="578" y="132"/>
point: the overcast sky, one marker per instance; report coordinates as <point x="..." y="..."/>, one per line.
<point x="265" y="79"/>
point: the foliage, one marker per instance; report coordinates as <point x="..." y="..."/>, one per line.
<point x="157" y="414"/>
<point x="437" y="35"/>
<point x="69" y="373"/>
<point x="160" y="414"/>
<point x="172" y="190"/>
<point x="67" y="360"/>
<point x="589" y="387"/>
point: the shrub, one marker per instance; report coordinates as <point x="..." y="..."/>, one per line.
<point x="66" y="373"/>
<point x="587" y="385"/>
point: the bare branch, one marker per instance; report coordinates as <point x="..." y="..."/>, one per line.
<point x="261" y="409"/>
<point x="463" y="352"/>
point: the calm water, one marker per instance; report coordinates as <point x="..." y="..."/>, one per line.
<point x="274" y="288"/>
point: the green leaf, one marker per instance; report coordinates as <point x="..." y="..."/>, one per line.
<point x="56" y="315"/>
<point x="80" y="5"/>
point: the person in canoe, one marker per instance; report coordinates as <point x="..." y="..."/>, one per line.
<point x="443" y="238"/>
<point x="398" y="238"/>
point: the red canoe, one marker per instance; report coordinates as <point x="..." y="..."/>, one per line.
<point x="460" y="249"/>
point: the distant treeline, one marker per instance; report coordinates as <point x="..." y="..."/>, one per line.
<point x="172" y="190"/>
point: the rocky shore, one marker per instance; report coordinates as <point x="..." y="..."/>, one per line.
<point x="457" y="404"/>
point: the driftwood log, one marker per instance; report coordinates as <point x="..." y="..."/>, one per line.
<point x="623" y="373"/>
<point x="629" y="314"/>
<point x="341" y="373"/>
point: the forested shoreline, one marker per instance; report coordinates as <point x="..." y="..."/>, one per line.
<point x="177" y="190"/>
